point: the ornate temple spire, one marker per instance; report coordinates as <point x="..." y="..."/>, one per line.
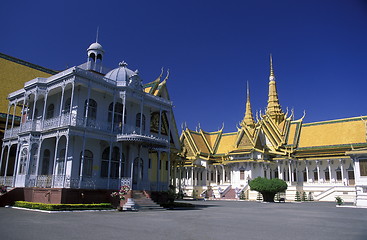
<point x="249" y="118"/>
<point x="273" y="109"/>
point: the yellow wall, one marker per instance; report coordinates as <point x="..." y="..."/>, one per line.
<point x="152" y="171"/>
<point x="12" y="78"/>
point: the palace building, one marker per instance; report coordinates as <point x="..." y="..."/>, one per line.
<point x="319" y="160"/>
<point x="89" y="127"/>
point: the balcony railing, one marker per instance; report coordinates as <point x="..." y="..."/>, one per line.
<point x="6" y="181"/>
<point x="124" y="132"/>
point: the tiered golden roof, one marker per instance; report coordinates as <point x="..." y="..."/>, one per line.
<point x="278" y="135"/>
<point x="273" y="109"/>
<point x="249" y="118"/>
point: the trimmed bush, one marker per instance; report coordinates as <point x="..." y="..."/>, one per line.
<point x="268" y="187"/>
<point x="298" y="197"/>
<point x="62" y="207"/>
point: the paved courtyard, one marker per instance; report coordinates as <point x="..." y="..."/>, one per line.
<point x="210" y="220"/>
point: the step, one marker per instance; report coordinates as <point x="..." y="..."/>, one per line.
<point x="145" y="203"/>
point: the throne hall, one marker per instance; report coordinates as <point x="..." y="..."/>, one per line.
<point x="319" y="160"/>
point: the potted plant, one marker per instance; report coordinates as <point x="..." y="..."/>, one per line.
<point x="121" y="195"/>
<point x="339" y="200"/>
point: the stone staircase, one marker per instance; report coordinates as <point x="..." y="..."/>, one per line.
<point x="144" y="203"/>
<point x="230" y="194"/>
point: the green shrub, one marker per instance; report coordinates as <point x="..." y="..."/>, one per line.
<point x="268" y="187"/>
<point x="304" y="197"/>
<point x="298" y="197"/>
<point x="62" y="207"/>
<point x="339" y="200"/>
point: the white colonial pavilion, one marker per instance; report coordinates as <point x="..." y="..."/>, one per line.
<point x="89" y="127"/>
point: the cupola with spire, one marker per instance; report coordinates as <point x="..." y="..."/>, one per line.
<point x="273" y="110"/>
<point x="95" y="51"/>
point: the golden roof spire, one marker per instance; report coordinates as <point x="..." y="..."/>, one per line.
<point x="273" y="109"/>
<point x="272" y="76"/>
<point x="249" y="118"/>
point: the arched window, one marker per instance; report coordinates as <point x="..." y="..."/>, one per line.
<point x="138" y="171"/>
<point x="104" y="162"/>
<point x="92" y="109"/>
<point x="2" y="169"/>
<point x="23" y="161"/>
<point x="36" y="113"/>
<point x="117" y="119"/>
<point x="138" y="118"/>
<point x="45" y="162"/>
<point x="60" y="162"/>
<point x="115" y="163"/>
<point x="50" y="111"/>
<point x="33" y="161"/>
<point x="67" y="105"/>
<point x="87" y="163"/>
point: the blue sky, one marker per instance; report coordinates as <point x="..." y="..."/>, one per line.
<point x="212" y="49"/>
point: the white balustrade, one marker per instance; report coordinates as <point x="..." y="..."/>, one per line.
<point x="44" y="181"/>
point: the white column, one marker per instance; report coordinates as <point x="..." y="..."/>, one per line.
<point x="306" y="162"/>
<point x="7" y="116"/>
<point x="38" y="159"/>
<point x="290" y="173"/>
<point x="34" y="105"/>
<point x="15" y="164"/>
<point x="87" y="107"/>
<point x="113" y="114"/>
<point x="61" y="104"/>
<point x="123" y="114"/>
<point x="2" y="156"/>
<point x="12" y="123"/>
<point x="131" y="161"/>
<point x="22" y="114"/>
<point x="231" y="175"/>
<point x="328" y="161"/>
<point x="318" y="170"/>
<point x="342" y="170"/>
<point x="141" y="115"/>
<point x="71" y="102"/>
<point x="44" y="109"/>
<point x="223" y="176"/>
<point x="55" y="159"/>
<point x="192" y="176"/>
<point x="280" y="174"/>
<point x="109" y="166"/>
<point x="82" y="162"/>
<point x="120" y="166"/>
<point x="65" y="159"/>
<point x="6" y="163"/>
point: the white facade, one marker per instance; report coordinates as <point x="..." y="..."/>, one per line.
<point x="301" y="175"/>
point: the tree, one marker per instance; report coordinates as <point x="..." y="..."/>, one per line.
<point x="268" y="187"/>
<point x="298" y="197"/>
